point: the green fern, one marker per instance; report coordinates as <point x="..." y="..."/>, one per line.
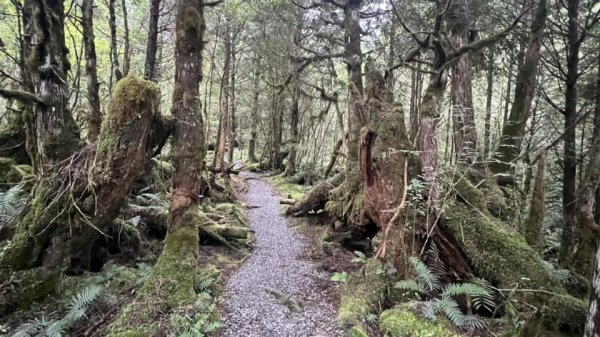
<point x="410" y="285"/>
<point x="78" y="305"/>
<point x="12" y="204"/>
<point x="426" y="276"/>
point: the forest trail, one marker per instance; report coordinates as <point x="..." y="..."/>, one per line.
<point x="276" y="264"/>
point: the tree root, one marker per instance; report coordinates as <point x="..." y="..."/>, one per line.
<point x="315" y="199"/>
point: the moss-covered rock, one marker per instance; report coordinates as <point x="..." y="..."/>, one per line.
<point x="362" y="295"/>
<point x="401" y="321"/>
<point x="357" y="331"/>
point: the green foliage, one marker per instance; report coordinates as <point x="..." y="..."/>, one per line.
<point x="200" y="320"/>
<point x="360" y="257"/>
<point x="12" y="204"/>
<point x="428" y="283"/>
<point x="340" y="277"/>
<point x="78" y="305"/>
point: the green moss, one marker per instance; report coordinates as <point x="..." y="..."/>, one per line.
<point x="171" y="284"/>
<point x="499" y="253"/>
<point x="357" y="331"/>
<point x="23" y="288"/>
<point x="363" y="294"/>
<point x="401" y="321"/>
<point x="289" y="189"/>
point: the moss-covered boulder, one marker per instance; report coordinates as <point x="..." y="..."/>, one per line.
<point x="11" y="173"/>
<point x="402" y="321"/>
<point x="362" y="295"/>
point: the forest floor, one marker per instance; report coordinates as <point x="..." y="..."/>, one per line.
<point x="278" y="275"/>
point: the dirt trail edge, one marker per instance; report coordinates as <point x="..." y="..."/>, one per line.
<point x="263" y="293"/>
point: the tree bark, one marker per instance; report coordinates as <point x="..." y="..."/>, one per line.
<point x="533" y="225"/>
<point x="150" y="71"/>
<point x="592" y="326"/>
<point x="232" y="103"/>
<point x="488" y="105"/>
<point x="569" y="190"/>
<point x="583" y="261"/>
<point x="463" y="115"/>
<point x="115" y="71"/>
<point x="172" y="281"/>
<point x="94" y="118"/>
<point x="290" y="168"/>
<point x="127" y="44"/>
<point x="53" y="134"/>
<point x="225" y="100"/>
<point x="254" y="117"/>
<point x="513" y="130"/>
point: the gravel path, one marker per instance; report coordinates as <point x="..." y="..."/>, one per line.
<point x="276" y="263"/>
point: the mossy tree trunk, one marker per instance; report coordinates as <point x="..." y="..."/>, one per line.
<point x="172" y="281"/>
<point x="225" y="104"/>
<point x="76" y="202"/>
<point x="53" y="135"/>
<point x="592" y="326"/>
<point x="463" y="114"/>
<point x="94" y="117"/>
<point x="514" y="127"/>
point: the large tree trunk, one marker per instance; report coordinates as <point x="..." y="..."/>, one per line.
<point x="463" y="115"/>
<point x="74" y="204"/>
<point x="587" y="203"/>
<point x="569" y="195"/>
<point x="53" y="134"/>
<point x="513" y="130"/>
<point x="94" y="119"/>
<point x="172" y="281"/>
<point x="150" y="71"/>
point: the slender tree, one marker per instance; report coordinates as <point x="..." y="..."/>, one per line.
<point x="150" y="68"/>
<point x="94" y="119"/>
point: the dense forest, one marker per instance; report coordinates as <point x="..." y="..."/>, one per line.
<point x="356" y="168"/>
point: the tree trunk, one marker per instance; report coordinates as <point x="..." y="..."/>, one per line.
<point x="225" y="101"/>
<point x="254" y="117"/>
<point x="115" y="71"/>
<point x="592" y="326"/>
<point x="533" y="225"/>
<point x="334" y="155"/>
<point x="290" y="168"/>
<point x="67" y="216"/>
<point x="172" y="281"/>
<point x="127" y="47"/>
<point x="569" y="194"/>
<point x="463" y="115"/>
<point x="232" y="103"/>
<point x="94" y="118"/>
<point x="488" y="105"/>
<point x="513" y="130"/>
<point x="150" y="71"/>
<point x="53" y="135"/>
<point x="583" y="261"/>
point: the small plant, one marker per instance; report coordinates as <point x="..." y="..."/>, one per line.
<point x="340" y="277"/>
<point x="43" y="326"/>
<point x="12" y="204"/>
<point x="198" y="321"/>
<point x="442" y="298"/>
<point x="360" y="257"/>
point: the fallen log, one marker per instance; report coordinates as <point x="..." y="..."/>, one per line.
<point x="287" y="201"/>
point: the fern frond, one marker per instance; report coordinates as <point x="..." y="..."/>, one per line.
<point x="410" y="285"/>
<point x="12" y="204"/>
<point x="562" y="275"/>
<point x="486" y="301"/>
<point x="474" y="321"/>
<point x="450" y="308"/>
<point x="466" y="289"/>
<point x="83" y="299"/>
<point x="32" y="328"/>
<point x="425" y="275"/>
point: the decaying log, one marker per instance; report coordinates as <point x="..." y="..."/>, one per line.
<point x="315" y="199"/>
